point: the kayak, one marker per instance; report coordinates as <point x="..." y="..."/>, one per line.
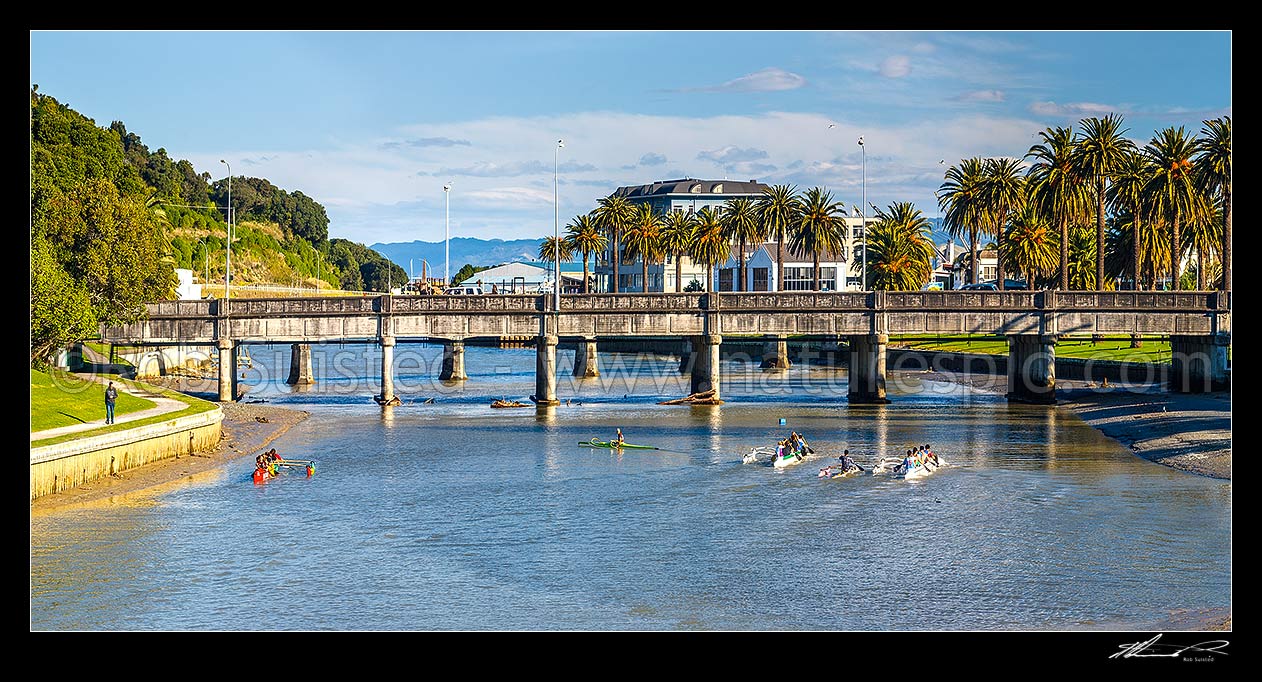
<point x="836" y="471"/>
<point x="593" y="443"/>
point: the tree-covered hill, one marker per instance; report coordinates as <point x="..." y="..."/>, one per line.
<point x="112" y="220"/>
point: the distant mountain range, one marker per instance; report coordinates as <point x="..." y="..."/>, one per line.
<point x="469" y="250"/>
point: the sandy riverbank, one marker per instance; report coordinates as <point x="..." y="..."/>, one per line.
<point x="243" y="434"/>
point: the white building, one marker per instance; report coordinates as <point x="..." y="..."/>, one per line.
<point x="187" y="290"/>
<point x="961" y="271"/>
<point x="521" y="278"/>
<point x="837" y="272"/>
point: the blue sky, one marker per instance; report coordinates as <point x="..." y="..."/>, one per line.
<point x="371" y="124"/>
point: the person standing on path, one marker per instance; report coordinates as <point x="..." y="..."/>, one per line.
<point x="111" y="394"/>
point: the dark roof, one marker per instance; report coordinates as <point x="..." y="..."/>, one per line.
<point x="691" y="187"/>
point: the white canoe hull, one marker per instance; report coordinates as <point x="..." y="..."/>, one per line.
<point x="923" y="470"/>
<point x="781" y="462"/>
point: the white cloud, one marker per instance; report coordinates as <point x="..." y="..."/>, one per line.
<point x="896" y="66"/>
<point x="652" y="159"/>
<point x="425" y="142"/>
<point x="1073" y="109"/>
<point x="490" y="169"/>
<point x="981" y="96"/>
<point x="770" y="79"/>
<point x="513" y="196"/>
<point x="731" y="154"/>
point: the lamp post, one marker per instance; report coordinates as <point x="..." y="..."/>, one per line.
<point x="556" y="224"/>
<point x="447" y="231"/>
<point x="863" y="223"/>
<point x="227" y="275"/>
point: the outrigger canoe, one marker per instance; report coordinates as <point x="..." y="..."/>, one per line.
<point x="785" y="457"/>
<point x="264" y="475"/>
<point x="593" y="443"/>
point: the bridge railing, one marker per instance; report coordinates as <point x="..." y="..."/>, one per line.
<point x="795" y="300"/>
<point x="632" y="302"/>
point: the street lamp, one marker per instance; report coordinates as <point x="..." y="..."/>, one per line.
<point x="556" y="224"/>
<point x="227" y="275"/>
<point x="863" y="223"/>
<point x="447" y="230"/>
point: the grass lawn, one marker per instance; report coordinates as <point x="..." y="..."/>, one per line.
<point x="1115" y="348"/>
<point x="62" y="399"/>
<point x="104" y="349"/>
<point x="61" y="403"/>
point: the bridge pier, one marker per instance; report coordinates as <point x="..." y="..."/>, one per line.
<point x="227" y="370"/>
<point x="300" y="365"/>
<point x="775" y="353"/>
<point x="453" y="362"/>
<point x="1032" y="368"/>
<point x="867" y="369"/>
<point x="705" y="366"/>
<point x="387" y="370"/>
<point x="546" y="371"/>
<point x="585" y="359"/>
<point x="1198" y="364"/>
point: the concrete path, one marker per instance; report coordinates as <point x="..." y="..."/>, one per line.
<point x="162" y="405"/>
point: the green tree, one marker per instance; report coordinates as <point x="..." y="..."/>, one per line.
<point x="1099" y="152"/>
<point x="900" y="249"/>
<point x="613" y="213"/>
<point x="61" y="313"/>
<point x="710" y="247"/>
<point x="779" y="209"/>
<point x="1002" y="192"/>
<point x="1082" y="259"/>
<point x="1172" y="189"/>
<point x="963" y="208"/>
<point x="644" y="239"/>
<point x="1213" y="175"/>
<point x="1031" y="245"/>
<point x="820" y="229"/>
<point x="1127" y="195"/>
<point x="1057" y="189"/>
<point x="679" y="229"/>
<point x="551" y="247"/>
<point x="741" y="221"/>
<point x="585" y="238"/>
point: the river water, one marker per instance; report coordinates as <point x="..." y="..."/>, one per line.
<point x="452" y="515"/>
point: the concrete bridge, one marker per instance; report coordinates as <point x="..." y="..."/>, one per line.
<point x="1199" y="325"/>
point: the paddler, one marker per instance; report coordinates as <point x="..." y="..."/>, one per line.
<point x="617" y="442"/>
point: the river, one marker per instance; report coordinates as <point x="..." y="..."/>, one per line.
<point x="453" y="515"/>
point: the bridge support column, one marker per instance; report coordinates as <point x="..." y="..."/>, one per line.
<point x="227" y="370"/>
<point x="387" y="369"/>
<point x="775" y="352"/>
<point x="453" y="362"/>
<point x="867" y="369"/>
<point x="705" y="366"/>
<point x="1032" y="368"/>
<point x="585" y="359"/>
<point x="685" y="358"/>
<point x="546" y="371"/>
<point x="300" y="365"/>
<point x="1198" y="364"/>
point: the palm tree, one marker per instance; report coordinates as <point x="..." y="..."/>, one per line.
<point x="1172" y="188"/>
<point x="779" y="208"/>
<point x="1082" y="258"/>
<point x="820" y="228"/>
<point x="900" y="249"/>
<point x="585" y="237"/>
<point x="1204" y="235"/>
<point x="960" y="198"/>
<point x="1213" y="174"/>
<point x="1003" y="191"/>
<point x="551" y="246"/>
<point x="678" y="231"/>
<point x="740" y="219"/>
<point x="1101" y="149"/>
<point x="1031" y="245"/>
<point x="1127" y="194"/>
<point x="1055" y="188"/>
<point x="1143" y="263"/>
<point x="643" y="239"/>
<point x="612" y="214"/>
<point x="711" y="246"/>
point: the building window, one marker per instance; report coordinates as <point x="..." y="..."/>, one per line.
<point x="760" y="279"/>
<point x="989" y="272"/>
<point x="725" y="279"/>
<point x="798" y="279"/>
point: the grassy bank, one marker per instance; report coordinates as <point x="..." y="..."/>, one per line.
<point x="1115" y="348"/>
<point x="62" y="399"/>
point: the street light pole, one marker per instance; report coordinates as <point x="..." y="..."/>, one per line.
<point x="556" y="224"/>
<point x="447" y="230"/>
<point x="227" y="275"/>
<point x="863" y="223"/>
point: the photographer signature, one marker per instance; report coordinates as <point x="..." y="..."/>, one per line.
<point x="1151" y="649"/>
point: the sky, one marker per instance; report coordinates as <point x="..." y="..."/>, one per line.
<point x="373" y="124"/>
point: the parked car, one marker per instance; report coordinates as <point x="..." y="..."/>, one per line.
<point x="464" y="290"/>
<point x="1009" y="284"/>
